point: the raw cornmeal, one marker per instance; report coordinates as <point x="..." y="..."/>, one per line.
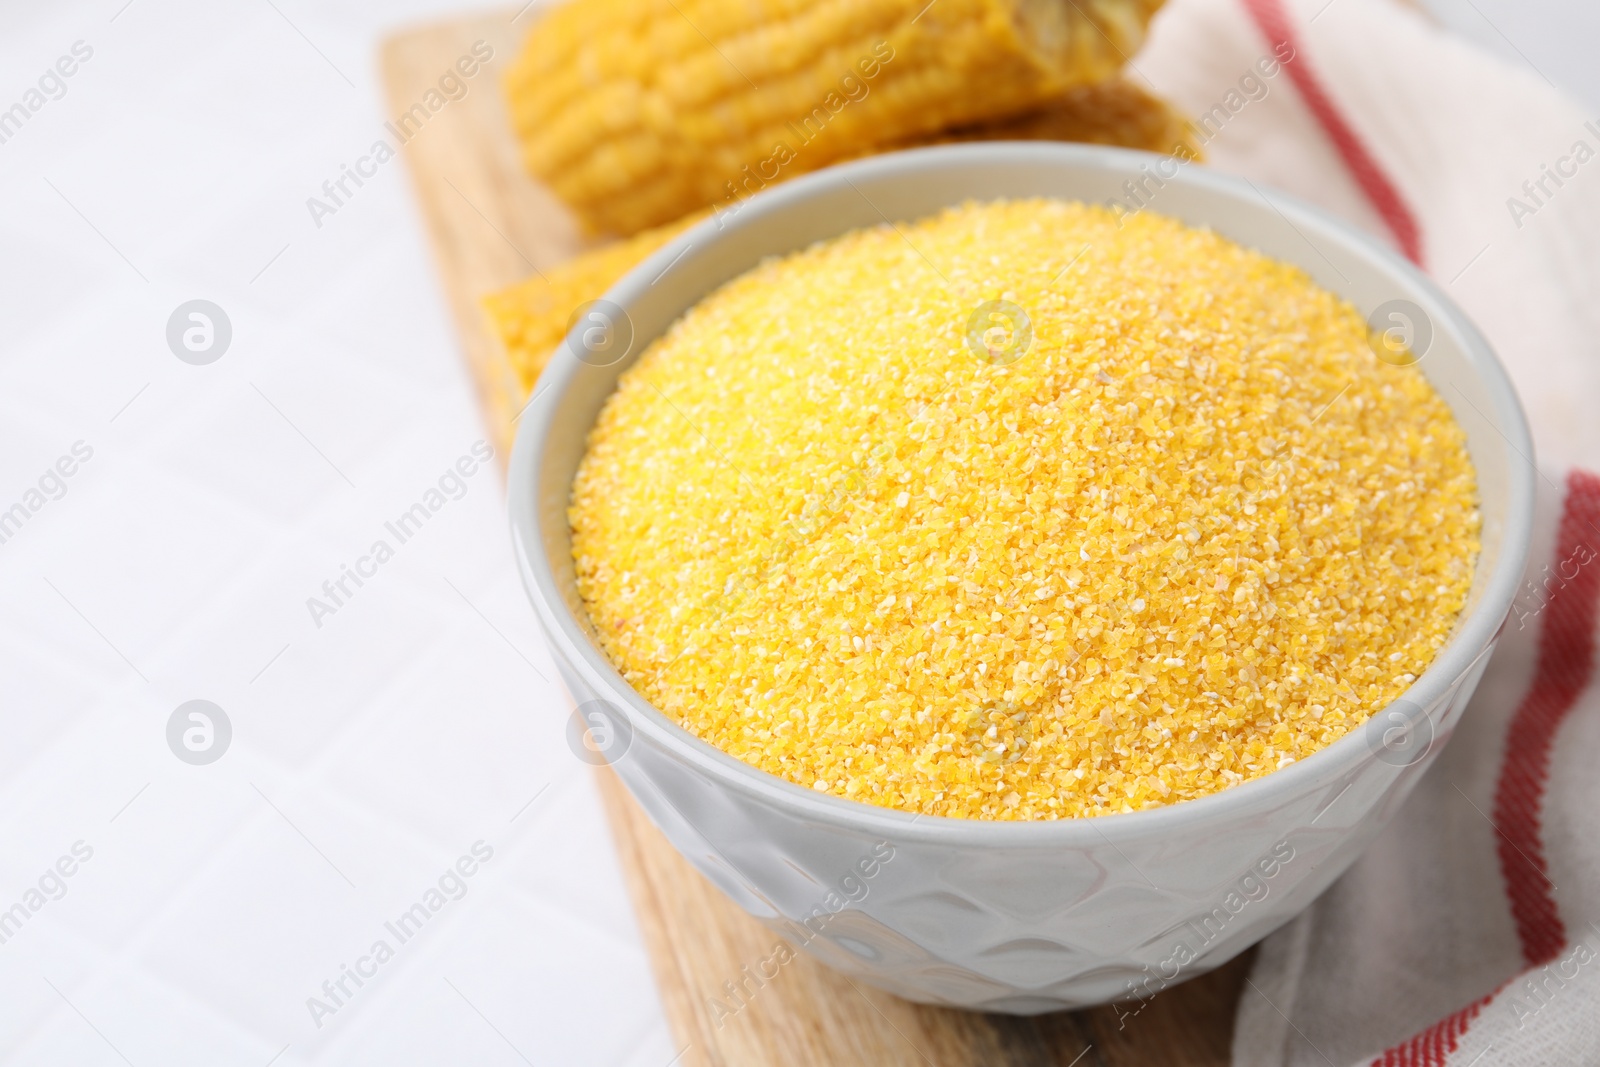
<point x="1196" y="531"/>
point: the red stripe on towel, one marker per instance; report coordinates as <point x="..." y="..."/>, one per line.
<point x="1431" y="1046"/>
<point x="1565" y="668"/>
<point x="1273" y="20"/>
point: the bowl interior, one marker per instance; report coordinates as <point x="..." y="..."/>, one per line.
<point x="909" y="185"/>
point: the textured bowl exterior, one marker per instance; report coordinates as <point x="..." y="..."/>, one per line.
<point x="1023" y="927"/>
<point x="1020" y="917"/>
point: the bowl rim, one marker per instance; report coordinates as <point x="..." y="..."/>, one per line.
<point x="1475" y="632"/>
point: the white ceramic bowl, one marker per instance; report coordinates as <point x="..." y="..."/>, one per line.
<point x="1020" y="916"/>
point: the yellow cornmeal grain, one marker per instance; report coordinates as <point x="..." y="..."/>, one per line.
<point x="1196" y="532"/>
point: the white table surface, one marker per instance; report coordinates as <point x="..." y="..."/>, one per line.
<point x="369" y="752"/>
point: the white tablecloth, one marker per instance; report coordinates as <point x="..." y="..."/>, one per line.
<point x="369" y="753"/>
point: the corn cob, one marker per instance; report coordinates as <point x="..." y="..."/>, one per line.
<point x="530" y="318"/>
<point x="637" y="112"/>
<point x="1115" y="112"/>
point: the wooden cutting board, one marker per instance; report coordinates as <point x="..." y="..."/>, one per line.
<point x="491" y="226"/>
